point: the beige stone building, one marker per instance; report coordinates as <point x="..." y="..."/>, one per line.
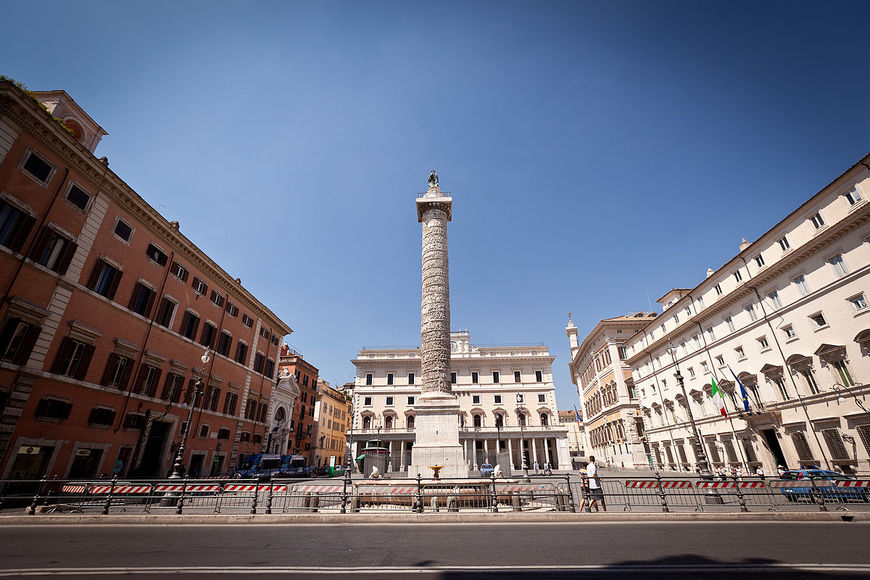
<point x="331" y="419"/>
<point x="613" y="423"/>
<point x="788" y="315"/>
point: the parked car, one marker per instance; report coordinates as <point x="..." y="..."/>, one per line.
<point x="822" y="482"/>
<point x="485" y="470"/>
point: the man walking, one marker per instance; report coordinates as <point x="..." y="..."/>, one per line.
<point x="596" y="493"/>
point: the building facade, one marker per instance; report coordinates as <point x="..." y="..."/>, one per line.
<point x="613" y="423"/>
<point x="788" y="317"/>
<point x="302" y="424"/>
<point x="331" y="416"/>
<point x="106" y="311"/>
<point x="576" y="441"/>
<point x="506" y="395"/>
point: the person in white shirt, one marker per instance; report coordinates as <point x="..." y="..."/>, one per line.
<point x="596" y="493"/>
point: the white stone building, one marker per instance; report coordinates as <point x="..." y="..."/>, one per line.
<point x="506" y="395"/>
<point x="788" y="314"/>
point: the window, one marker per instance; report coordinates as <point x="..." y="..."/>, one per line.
<point x="146" y="382"/>
<point x="101" y="416"/>
<point x="542" y="398"/>
<point x="104" y="279"/>
<point x="178" y="271"/>
<point x="53" y="250"/>
<point x="225" y="342"/>
<point x="819" y="320"/>
<point x="700" y="302"/>
<point x="270" y="368"/>
<point x="230" y="403"/>
<point x="259" y="361"/>
<point x="710" y="334"/>
<point x="410" y="378"/>
<point x="172" y="388"/>
<point x="801" y="283"/>
<point x="37" y="167"/>
<point x="852" y="196"/>
<point x="704" y="367"/>
<point x="232" y="309"/>
<point x="156" y="255"/>
<point x="452" y="378"/>
<point x="212" y="398"/>
<point x="750" y="310"/>
<point x="142" y="299"/>
<point x="497" y="399"/>
<point x="247" y="320"/>
<point x="369" y="378"/>
<point x="223" y="433"/>
<point x="209" y="331"/>
<point x="738" y="276"/>
<point x="474" y="377"/>
<point x="718" y="289"/>
<point x="762" y="342"/>
<point x="189" y="325"/>
<point x="475" y="399"/>
<point x="123" y="230"/>
<point x="165" y="312"/>
<point x="789" y="331"/>
<point x="759" y="260"/>
<point x="53" y="409"/>
<point x="780" y="384"/>
<point x="517" y="377"/>
<point x="691" y="372"/>
<point x="783" y="243"/>
<point x="835" y="444"/>
<point x="390" y="378"/>
<point x="117" y="373"/>
<point x="17" y="340"/>
<point x="838" y="265"/>
<point x="199" y="286"/>
<point x="15" y="225"/>
<point x="729" y="323"/>
<point x="78" y="197"/>
<point x="367" y="401"/>
<point x="817" y="220"/>
<point x="495" y="376"/>
<point x="520" y="397"/>
<point x="859" y="303"/>
<point x="217" y="298"/>
<point x="73" y="358"/>
<point x="410" y="400"/>
<point x="843" y="373"/>
<point x="389" y="401"/>
<point x="774" y="299"/>
<point x="740" y="354"/>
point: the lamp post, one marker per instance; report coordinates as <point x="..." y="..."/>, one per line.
<point x="838" y="387"/>
<point x="522" y="422"/>
<point x="179" y="456"/>
<point x="703" y="466"/>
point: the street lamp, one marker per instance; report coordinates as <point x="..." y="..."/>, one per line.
<point x="522" y="422"/>
<point x="179" y="456"/>
<point x="838" y="388"/>
<point x="712" y="496"/>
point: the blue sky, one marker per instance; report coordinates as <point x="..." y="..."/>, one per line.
<point x="599" y="153"/>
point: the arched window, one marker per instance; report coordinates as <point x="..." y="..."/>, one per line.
<point x="521" y="419"/>
<point x="388" y="422"/>
<point x="499" y="421"/>
<point x="478" y="422"/>
<point x="367" y="422"/>
<point x="544" y="419"/>
<point x="410" y="421"/>
<point x="280" y="415"/>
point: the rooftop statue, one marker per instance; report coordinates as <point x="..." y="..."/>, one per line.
<point x="433" y="180"/>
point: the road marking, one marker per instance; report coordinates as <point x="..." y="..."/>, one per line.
<point x="371" y="570"/>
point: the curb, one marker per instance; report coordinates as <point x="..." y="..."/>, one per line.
<point x="411" y="518"/>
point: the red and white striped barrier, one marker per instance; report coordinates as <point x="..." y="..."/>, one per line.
<point x="729" y="484"/>
<point x="312" y="488"/>
<point x="854" y="483"/>
<point x="73" y="489"/>
<point x="649" y="483"/>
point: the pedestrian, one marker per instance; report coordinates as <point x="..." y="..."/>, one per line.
<point x="759" y="472"/>
<point x="596" y="493"/>
<point x="547" y="469"/>
<point x="780" y="470"/>
<point x="584" y="489"/>
<point x="536" y="467"/>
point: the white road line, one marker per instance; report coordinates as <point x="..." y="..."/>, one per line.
<point x="370" y="570"/>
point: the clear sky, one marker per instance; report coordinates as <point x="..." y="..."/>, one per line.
<point x="598" y="153"/>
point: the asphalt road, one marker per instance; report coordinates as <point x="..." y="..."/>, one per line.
<point x="443" y="551"/>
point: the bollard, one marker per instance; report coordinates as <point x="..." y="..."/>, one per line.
<point x="344" y="492"/>
<point x="256" y="496"/>
<point x="109" y="497"/>
<point x="515" y="502"/>
<point x="740" y="497"/>
<point x="817" y="496"/>
<point x="179" y="507"/>
<point x="315" y="502"/>
<point x="494" y="496"/>
<point x="433" y="503"/>
<point x="269" y="498"/>
<point x="420" y="506"/>
<point x="32" y="509"/>
<point x="665" y="508"/>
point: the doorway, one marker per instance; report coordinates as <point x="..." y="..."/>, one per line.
<point x="196" y="462"/>
<point x="85" y="464"/>
<point x="152" y="456"/>
<point x="773" y="444"/>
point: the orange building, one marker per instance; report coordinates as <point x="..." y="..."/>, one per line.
<point x="303" y="422"/>
<point x="106" y="310"/>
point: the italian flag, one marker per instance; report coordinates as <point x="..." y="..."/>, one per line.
<point x="717" y="398"/>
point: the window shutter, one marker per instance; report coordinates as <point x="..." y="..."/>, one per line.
<point x="95" y="274"/>
<point x="85" y="362"/>
<point x="107" y="374"/>
<point x="156" y="382"/>
<point x="149" y="304"/>
<point x="68" y="253"/>
<point x="61" y="355"/>
<point x="39" y="245"/>
<point x="116" y="279"/>
<point x="27" y="344"/>
<point x="8" y="331"/>
<point x="20" y="236"/>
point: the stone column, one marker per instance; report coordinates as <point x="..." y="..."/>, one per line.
<point x="510" y="449"/>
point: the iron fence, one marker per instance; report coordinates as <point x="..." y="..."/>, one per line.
<point x="561" y="493"/>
